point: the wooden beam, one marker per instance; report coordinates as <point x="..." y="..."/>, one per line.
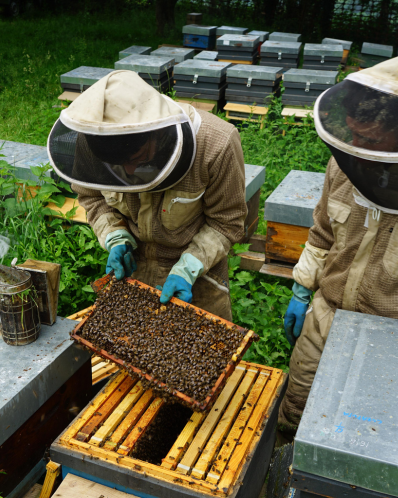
<point x="251" y="260"/>
<point x="71" y="96"/>
<point x="257" y="243"/>
<point x="77" y="487"/>
<point x="277" y="270"/>
<point x="53" y="470"/>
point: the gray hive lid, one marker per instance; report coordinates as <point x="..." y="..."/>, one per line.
<point x="294" y="199"/>
<point x="254" y="179"/>
<point x="334" y="41"/>
<point x="238" y="41"/>
<point x="146" y="64"/>
<point x="23" y="156"/>
<point x="197" y="29"/>
<point x="202" y="68"/>
<point x="231" y="30"/>
<point x="207" y="55"/>
<point x="349" y="429"/>
<point x="274" y="47"/>
<point x="277" y="36"/>
<point x="321" y="49"/>
<point x="262" y="34"/>
<point x="178" y="54"/>
<point x="311" y="75"/>
<point x="256" y="72"/>
<point x="376" y="49"/>
<point x="31" y="374"/>
<point x="135" y="49"/>
<point x="85" y="75"/>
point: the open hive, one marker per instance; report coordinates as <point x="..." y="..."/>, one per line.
<point x="177" y="349"/>
<point x="132" y="440"/>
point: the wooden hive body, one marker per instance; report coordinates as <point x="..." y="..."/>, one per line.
<point x="224" y="452"/>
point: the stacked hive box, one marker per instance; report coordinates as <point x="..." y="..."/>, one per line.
<point x="238" y="49"/>
<point x="203" y="80"/>
<point x="322" y="57"/>
<point x="280" y="54"/>
<point x="207" y="55"/>
<point x="346" y="46"/>
<point x="156" y="71"/>
<point x="285" y="37"/>
<point x="303" y="86"/>
<point x="134" y="50"/>
<point x="22" y="157"/>
<point x="263" y="35"/>
<point x="194" y="18"/>
<point x="178" y="54"/>
<point x="349" y="422"/>
<point x="83" y="77"/>
<point x="252" y="84"/>
<point x="373" y="53"/>
<point x="225" y="452"/>
<point x="195" y="36"/>
<point x="230" y="30"/>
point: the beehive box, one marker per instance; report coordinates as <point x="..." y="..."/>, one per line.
<point x="374" y="53"/>
<point x="178" y="54"/>
<point x="230" y="30"/>
<point x="285" y="37"/>
<point x="346" y="46"/>
<point x="252" y="84"/>
<point x="223" y="453"/>
<point x="22" y="157"/>
<point x="134" y="50"/>
<point x="280" y="54"/>
<point x="82" y="77"/>
<point x="322" y="57"/>
<point x="238" y="49"/>
<point x="263" y="35"/>
<point x="43" y="386"/>
<point x="201" y="79"/>
<point x="207" y="55"/>
<point x="196" y="36"/>
<point x="155" y="70"/>
<point x="303" y="86"/>
<point x="288" y="211"/>
<point x="194" y="18"/>
<point x="349" y="421"/>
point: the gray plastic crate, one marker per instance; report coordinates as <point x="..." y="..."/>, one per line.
<point x="178" y="54"/>
<point x="294" y="199"/>
<point x="289" y="37"/>
<point x="348" y="432"/>
<point x="135" y="49"/>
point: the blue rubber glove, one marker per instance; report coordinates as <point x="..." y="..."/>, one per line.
<point x="295" y="314"/>
<point x="181" y="279"/>
<point x="121" y="260"/>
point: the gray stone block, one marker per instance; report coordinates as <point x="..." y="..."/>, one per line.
<point x="295" y="198"/>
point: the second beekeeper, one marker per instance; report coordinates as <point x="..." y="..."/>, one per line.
<point x="163" y="186"/>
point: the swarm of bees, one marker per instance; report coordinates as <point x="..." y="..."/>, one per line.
<point x="178" y="347"/>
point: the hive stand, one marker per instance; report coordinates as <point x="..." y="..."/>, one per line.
<point x="225" y="452"/>
<point x="242" y="112"/>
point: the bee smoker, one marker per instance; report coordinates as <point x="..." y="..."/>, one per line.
<point x="19" y="312"/>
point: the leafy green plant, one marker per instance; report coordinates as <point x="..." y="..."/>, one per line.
<point x="35" y="232"/>
<point x="259" y="303"/>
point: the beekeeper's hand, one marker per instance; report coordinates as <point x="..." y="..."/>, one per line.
<point x="296" y="311"/>
<point x="181" y="279"/>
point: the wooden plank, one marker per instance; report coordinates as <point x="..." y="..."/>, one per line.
<point x="183" y="441"/>
<point x="141" y="426"/>
<point x="257" y="243"/>
<point x="105" y="410"/>
<point x="79" y="315"/>
<point x="95" y="360"/>
<point x="98" y="401"/>
<point x="99" y="366"/>
<point x="297" y="112"/>
<point x="105" y="374"/>
<point x="69" y="96"/>
<point x="211" y="421"/>
<point x="53" y="470"/>
<point x="224" y="425"/>
<point x="242" y="447"/>
<point x="70" y="203"/>
<point x="34" y="491"/>
<point x="250" y="109"/>
<point x="248" y="63"/>
<point x="277" y="270"/>
<point x="130" y="419"/>
<point x="285" y="242"/>
<point x="226" y="451"/>
<point x="251" y="260"/>
<point x="77" y="487"/>
<point x="117" y="415"/>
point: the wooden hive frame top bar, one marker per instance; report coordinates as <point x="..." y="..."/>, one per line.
<point x="209" y="454"/>
<point x="247" y="339"/>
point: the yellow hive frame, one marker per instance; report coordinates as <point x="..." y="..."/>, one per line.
<point x="210" y="452"/>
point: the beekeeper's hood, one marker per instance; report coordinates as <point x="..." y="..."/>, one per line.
<point x="358" y="120"/>
<point x="122" y="135"/>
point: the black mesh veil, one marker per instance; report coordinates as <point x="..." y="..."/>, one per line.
<point x="149" y="161"/>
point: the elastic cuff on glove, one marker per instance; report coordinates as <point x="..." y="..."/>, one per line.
<point x="119" y="237"/>
<point x="188" y="267"/>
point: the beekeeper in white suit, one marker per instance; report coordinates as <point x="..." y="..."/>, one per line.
<point x="163" y="186"/>
<point x="351" y="257"/>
